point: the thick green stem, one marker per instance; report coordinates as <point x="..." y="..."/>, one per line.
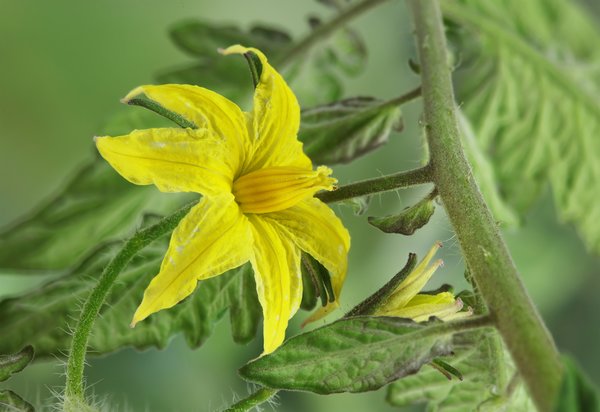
<point x="91" y="308"/>
<point x="378" y="185"/>
<point x="324" y="31"/>
<point x="260" y="396"/>
<point x="485" y="252"/>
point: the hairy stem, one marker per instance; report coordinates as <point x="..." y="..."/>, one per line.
<point x="378" y="185"/>
<point x="91" y="308"/>
<point x="485" y="252"/>
<point x="325" y="30"/>
<point x="260" y="396"/>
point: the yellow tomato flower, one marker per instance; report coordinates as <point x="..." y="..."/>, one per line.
<point x="406" y="301"/>
<point x="257" y="186"/>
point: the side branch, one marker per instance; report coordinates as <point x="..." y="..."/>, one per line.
<point x="485" y="252"/>
<point x="377" y="185"/>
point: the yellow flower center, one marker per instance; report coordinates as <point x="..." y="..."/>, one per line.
<point x="278" y="188"/>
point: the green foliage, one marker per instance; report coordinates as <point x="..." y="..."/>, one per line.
<point x="529" y="88"/>
<point x="315" y="77"/>
<point x="484" y="173"/>
<point x="344" y="130"/>
<point x="576" y="393"/>
<point x="43" y="316"/>
<point x="11" y="402"/>
<point x="485" y="368"/>
<point x="409" y="220"/>
<point x="351" y="355"/>
<point x="11" y="364"/>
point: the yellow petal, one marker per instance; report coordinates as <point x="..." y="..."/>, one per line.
<point x="423" y="306"/>
<point x="276" y="264"/>
<point x="314" y="228"/>
<point x="274" y="121"/>
<point x="415" y="281"/>
<point x="205" y="108"/>
<point x="278" y="188"/>
<point x="175" y="160"/>
<point x="214" y="237"/>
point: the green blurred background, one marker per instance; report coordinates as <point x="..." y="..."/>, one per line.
<point x="64" y="66"/>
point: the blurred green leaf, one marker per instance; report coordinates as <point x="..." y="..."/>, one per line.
<point x="11" y="364"/>
<point x="485" y="367"/>
<point x="313" y="77"/>
<point x="349" y="51"/>
<point x="531" y="93"/>
<point x="95" y="206"/>
<point x="203" y="39"/>
<point x="43" y="317"/>
<point x="484" y="173"/>
<point x="220" y="74"/>
<point x="576" y="393"/>
<point x="359" y="205"/>
<point x="407" y="221"/>
<point x="347" y="129"/>
<point x="11" y="402"/>
<point x="351" y="355"/>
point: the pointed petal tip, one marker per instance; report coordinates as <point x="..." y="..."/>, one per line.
<point x="234" y="49"/>
<point x="135" y="92"/>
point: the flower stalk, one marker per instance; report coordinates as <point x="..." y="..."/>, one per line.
<point x="378" y="185"/>
<point x="91" y="308"/>
<point x="485" y="252"/>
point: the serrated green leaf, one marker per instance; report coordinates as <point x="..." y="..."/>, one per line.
<point x="407" y="221"/>
<point x="484" y="173"/>
<point x="350" y="355"/>
<point x="349" y="128"/>
<point x="576" y="393"/>
<point x="485" y="368"/>
<point x="43" y="317"/>
<point x="95" y="206"/>
<point x="533" y="102"/>
<point x="11" y="402"/>
<point x="11" y="364"/>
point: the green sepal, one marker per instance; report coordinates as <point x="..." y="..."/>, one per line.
<point x="370" y="305"/>
<point x="342" y="131"/>
<point x="577" y="393"/>
<point x="446" y="369"/>
<point x="11" y="364"/>
<point x="409" y="220"/>
<point x="11" y="402"/>
<point x="255" y="66"/>
<point x="318" y="279"/>
<point x="355" y="354"/>
<point x="158" y="109"/>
